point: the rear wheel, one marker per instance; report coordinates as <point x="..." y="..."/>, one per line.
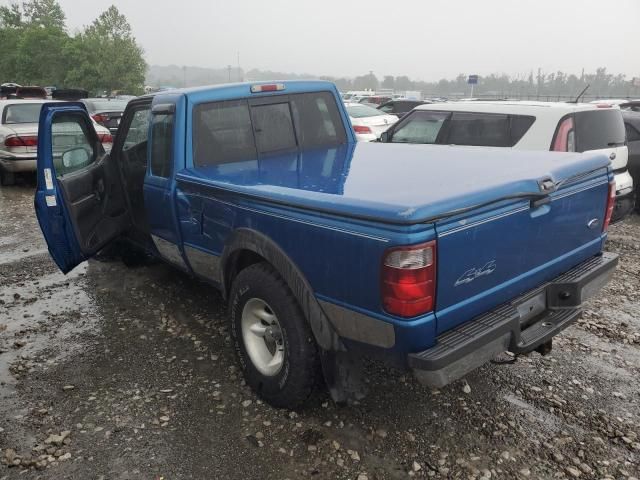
<point x="273" y="341"/>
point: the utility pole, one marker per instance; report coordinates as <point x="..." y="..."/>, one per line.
<point x="184" y="76"/>
<point x="239" y="74"/>
<point x="229" y="71"/>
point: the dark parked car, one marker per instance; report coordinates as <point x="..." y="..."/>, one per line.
<point x="632" y="126"/>
<point x="375" y="100"/>
<point x="106" y="111"/>
<point x="69" y="94"/>
<point x="400" y="107"/>
<point x="632" y="105"/>
<point x="14" y="91"/>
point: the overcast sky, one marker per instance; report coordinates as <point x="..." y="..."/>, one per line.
<point x="425" y="39"/>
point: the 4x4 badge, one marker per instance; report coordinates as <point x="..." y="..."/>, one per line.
<point x="473" y="273"/>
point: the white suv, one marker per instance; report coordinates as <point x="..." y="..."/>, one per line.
<point x="561" y="127"/>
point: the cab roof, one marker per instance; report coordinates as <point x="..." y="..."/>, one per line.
<point x="243" y="90"/>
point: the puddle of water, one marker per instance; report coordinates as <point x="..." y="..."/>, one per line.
<point x="17" y="255"/>
<point x="45" y="302"/>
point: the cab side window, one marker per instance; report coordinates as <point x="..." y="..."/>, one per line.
<point x="162" y="145"/>
<point x="481" y="129"/>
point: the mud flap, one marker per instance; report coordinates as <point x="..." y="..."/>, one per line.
<point x="343" y="375"/>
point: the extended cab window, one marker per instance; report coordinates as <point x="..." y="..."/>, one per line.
<point x="420" y="127"/>
<point x="161" y="145"/>
<point x="599" y="129"/>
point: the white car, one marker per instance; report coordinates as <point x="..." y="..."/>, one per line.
<point x="524" y="125"/>
<point x="19" y="137"/>
<point x="368" y="122"/>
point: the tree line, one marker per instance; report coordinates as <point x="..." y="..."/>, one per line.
<point x="539" y="84"/>
<point x="36" y="49"/>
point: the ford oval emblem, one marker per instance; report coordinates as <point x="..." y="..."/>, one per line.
<point x="593" y="223"/>
<point x="612" y="157"/>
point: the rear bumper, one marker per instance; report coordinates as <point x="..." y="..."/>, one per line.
<point x="520" y="326"/>
<point x="18" y="165"/>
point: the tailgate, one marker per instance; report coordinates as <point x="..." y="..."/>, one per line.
<point x="491" y="257"/>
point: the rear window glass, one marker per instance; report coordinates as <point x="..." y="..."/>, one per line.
<point x="233" y="131"/>
<point x="485" y="130"/>
<point x="273" y="127"/>
<point x="420" y="127"/>
<point x="24" y="113"/>
<point x="222" y="133"/>
<point x="598" y="129"/>
<point x="317" y="120"/>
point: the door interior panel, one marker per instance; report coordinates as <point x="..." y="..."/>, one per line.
<point x="95" y="202"/>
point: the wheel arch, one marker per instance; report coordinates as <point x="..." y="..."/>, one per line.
<point x="246" y="247"/>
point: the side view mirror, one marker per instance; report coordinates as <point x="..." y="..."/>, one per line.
<point x="385" y="137"/>
<point x="76" y="157"/>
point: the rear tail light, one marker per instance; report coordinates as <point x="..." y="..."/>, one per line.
<point x="105" y="138"/>
<point x="611" y="203"/>
<point x="99" y="118"/>
<point x="361" y="129"/>
<point x="21" y="141"/>
<point x="409" y="280"/>
<point x="563" y="140"/>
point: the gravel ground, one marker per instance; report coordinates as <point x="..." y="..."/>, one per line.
<point x="117" y="373"/>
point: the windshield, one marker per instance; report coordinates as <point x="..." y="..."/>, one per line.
<point x="22" y="113"/>
<point x="361" y="111"/>
<point x="108" y="105"/>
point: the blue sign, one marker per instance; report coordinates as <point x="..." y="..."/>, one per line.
<point x="472" y="80"/>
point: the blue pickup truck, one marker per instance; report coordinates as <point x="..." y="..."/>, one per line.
<point x="432" y="258"/>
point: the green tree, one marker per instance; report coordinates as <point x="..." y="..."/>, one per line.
<point x="40" y="55"/>
<point x="44" y="13"/>
<point x="32" y="36"/>
<point x="106" y="56"/>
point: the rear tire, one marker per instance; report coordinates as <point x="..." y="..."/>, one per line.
<point x="274" y="344"/>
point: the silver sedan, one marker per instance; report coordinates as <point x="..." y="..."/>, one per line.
<point x="19" y="137"/>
